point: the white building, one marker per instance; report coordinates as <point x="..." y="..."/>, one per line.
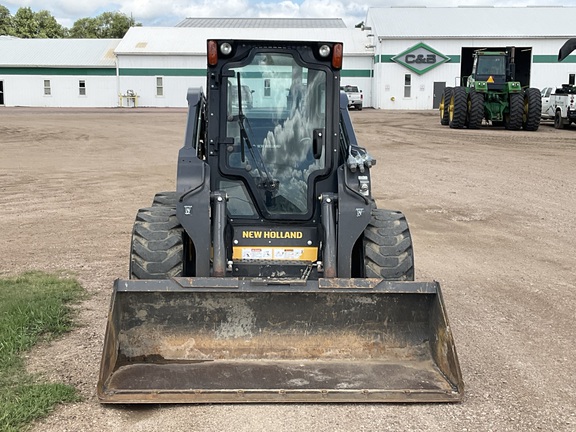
<point x="58" y="72"/>
<point x="160" y="64"/>
<point x="402" y="58"/>
<point x="157" y="65"/>
<point x="421" y="50"/>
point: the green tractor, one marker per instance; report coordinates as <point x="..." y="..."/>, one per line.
<point x="492" y="93"/>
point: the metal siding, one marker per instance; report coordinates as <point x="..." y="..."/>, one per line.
<point x="263" y="23"/>
<point x="26" y="90"/>
<point x="477" y="22"/>
<point x="389" y="76"/>
<point x="58" y="52"/>
<point x="192" y="40"/>
<point x="175" y="89"/>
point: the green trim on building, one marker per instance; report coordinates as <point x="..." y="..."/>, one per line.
<point x="358" y="73"/>
<point x="57" y="71"/>
<point x="366" y="73"/>
<point x="552" y="59"/>
<point x="387" y="58"/>
<point x="43" y="71"/>
<point x="161" y="72"/>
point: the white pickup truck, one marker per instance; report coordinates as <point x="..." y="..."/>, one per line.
<point x="355" y="96"/>
<point x="559" y="104"/>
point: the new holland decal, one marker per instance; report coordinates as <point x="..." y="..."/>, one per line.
<point x="272" y="234"/>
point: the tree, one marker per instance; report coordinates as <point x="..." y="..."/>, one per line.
<point x="84" y="28"/>
<point x="49" y="27"/>
<point x="5" y="21"/>
<point x="108" y="25"/>
<point x="29" y="24"/>
<point x="115" y="24"/>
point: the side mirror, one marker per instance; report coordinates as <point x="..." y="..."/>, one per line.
<point x="317" y="142"/>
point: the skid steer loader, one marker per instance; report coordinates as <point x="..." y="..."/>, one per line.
<point x="269" y="275"/>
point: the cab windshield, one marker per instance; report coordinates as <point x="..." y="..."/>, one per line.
<point x="274" y="124"/>
<point x="491" y="65"/>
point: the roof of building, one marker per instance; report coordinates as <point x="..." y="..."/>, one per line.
<point x="471" y="22"/>
<point x="263" y="23"/>
<point x="58" y="52"/>
<point x="192" y="40"/>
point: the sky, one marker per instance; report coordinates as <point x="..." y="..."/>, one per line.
<point x="168" y="13"/>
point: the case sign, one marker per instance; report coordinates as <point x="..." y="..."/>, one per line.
<point x="420" y="58"/>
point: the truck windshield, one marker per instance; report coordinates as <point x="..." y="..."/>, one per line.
<point x="282" y="107"/>
<point x="491" y="65"/>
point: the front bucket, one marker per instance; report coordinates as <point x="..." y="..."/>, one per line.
<point x="229" y="340"/>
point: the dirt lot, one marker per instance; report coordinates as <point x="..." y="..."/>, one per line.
<point x="493" y="218"/>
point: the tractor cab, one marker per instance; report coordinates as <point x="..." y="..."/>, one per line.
<point x="494" y="68"/>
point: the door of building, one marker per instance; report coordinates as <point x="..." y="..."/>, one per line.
<point x="438" y="90"/>
<point x="1" y="92"/>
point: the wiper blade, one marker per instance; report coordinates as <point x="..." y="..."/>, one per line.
<point x="267" y="181"/>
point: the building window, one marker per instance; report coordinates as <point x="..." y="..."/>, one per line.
<point x="47" y="89"/>
<point x="82" y="88"/>
<point x="159" y="86"/>
<point x="267" y="91"/>
<point x="407" y="85"/>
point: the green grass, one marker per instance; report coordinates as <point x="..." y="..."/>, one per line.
<point x="33" y="307"/>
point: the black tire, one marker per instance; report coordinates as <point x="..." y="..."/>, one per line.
<point x="445" y="106"/>
<point x="532" y="109"/>
<point x="559" y="122"/>
<point x="388" y="247"/>
<point x="359" y="107"/>
<point x="513" y="120"/>
<point x="475" y="109"/>
<point x="157" y="244"/>
<point x="458" y="108"/>
<point x="165" y="199"/>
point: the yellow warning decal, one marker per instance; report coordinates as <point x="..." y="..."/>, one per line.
<point x="275" y="253"/>
<point x="272" y="234"/>
<point x="490" y="79"/>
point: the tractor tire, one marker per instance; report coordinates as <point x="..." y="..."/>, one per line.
<point x="458" y="108"/>
<point x="388" y="247"/>
<point x="559" y="122"/>
<point x="165" y="199"/>
<point x="157" y="244"/>
<point x="475" y="109"/>
<point x="445" y="106"/>
<point x="532" y="109"/>
<point x="516" y="111"/>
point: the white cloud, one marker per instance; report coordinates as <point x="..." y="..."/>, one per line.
<point x="282" y="9"/>
<point x="160" y="12"/>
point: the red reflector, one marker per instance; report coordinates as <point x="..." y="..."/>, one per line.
<point x="212" y="53"/>
<point x="337" y="56"/>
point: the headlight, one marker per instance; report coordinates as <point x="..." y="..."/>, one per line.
<point x="225" y="48"/>
<point x="324" y="51"/>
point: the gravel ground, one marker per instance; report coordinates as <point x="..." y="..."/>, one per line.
<point x="492" y="215"/>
